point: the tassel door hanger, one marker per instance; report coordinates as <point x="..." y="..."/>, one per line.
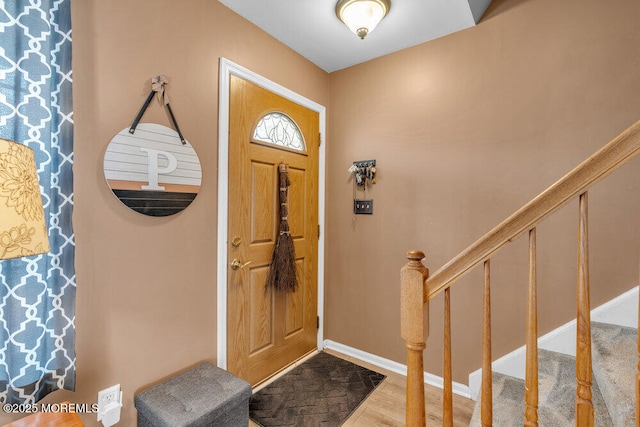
<point x="282" y="270"/>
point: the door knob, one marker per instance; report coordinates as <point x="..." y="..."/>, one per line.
<point x="236" y="264"/>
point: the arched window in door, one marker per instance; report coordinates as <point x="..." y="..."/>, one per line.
<point x="279" y="129"/>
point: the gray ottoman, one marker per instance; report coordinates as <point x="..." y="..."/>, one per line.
<point x="203" y="396"/>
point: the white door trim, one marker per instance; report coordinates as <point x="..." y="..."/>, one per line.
<point x="228" y="68"/>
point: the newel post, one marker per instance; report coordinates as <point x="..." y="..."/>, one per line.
<point x="414" y="330"/>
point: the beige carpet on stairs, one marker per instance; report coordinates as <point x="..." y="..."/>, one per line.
<point x="615" y="357"/>
<point x="556" y="390"/>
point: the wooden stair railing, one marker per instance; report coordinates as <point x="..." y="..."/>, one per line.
<point x="418" y="288"/>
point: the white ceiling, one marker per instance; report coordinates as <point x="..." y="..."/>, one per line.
<point x="311" y="27"/>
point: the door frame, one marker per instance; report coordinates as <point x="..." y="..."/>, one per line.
<point x="227" y="69"/>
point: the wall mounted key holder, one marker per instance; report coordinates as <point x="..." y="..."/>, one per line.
<point x="363" y="171"/>
<point x="151" y="168"/>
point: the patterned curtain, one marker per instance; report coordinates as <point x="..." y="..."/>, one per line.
<point x="37" y="294"/>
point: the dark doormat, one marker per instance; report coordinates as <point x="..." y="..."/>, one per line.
<point x="323" y="391"/>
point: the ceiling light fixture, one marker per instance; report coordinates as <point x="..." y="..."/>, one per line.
<point x="362" y="16"/>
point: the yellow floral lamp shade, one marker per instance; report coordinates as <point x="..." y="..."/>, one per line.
<point x="22" y="226"/>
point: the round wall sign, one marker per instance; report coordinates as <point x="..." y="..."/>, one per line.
<point x="151" y="171"/>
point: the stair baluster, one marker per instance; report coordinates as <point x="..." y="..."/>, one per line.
<point x="486" y="414"/>
<point x="447" y="405"/>
<point x="584" y="405"/>
<point x="531" y="380"/>
<point x="638" y="373"/>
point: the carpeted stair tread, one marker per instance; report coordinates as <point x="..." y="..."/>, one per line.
<point x="508" y="402"/>
<point x="614" y="355"/>
<point x="556" y="395"/>
<point x="556" y="389"/>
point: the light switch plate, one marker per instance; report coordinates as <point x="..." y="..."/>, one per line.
<point x="363" y="206"/>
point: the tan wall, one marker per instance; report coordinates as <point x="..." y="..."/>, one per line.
<point x="466" y="129"/>
<point x="146" y="298"/>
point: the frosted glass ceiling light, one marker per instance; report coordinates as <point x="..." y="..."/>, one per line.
<point x="362" y="16"/>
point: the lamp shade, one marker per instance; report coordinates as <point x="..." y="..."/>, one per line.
<point x="23" y="231"/>
<point x="362" y="16"/>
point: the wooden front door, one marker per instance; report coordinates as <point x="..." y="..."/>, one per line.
<point x="267" y="330"/>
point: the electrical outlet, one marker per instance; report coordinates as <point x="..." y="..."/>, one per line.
<point x="107" y="397"/>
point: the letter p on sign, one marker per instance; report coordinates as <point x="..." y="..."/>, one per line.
<point x="154" y="170"/>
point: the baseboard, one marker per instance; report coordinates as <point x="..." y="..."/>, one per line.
<point x="622" y="310"/>
<point x="390" y="365"/>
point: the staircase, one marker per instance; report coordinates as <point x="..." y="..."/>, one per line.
<point x="614" y="368"/>
<point x="606" y="356"/>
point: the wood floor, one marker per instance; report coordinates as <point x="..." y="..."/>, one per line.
<point x="386" y="405"/>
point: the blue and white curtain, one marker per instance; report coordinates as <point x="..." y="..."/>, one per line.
<point x="37" y="294"/>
